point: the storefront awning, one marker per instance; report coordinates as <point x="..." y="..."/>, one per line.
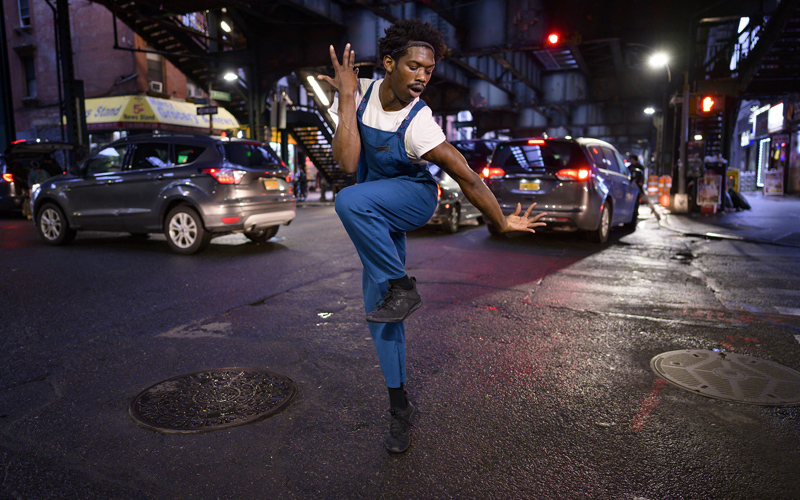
<point x="151" y="113"/>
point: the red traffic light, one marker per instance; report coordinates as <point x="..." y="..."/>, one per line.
<point x="552" y="38"/>
<point x="711" y="104"/>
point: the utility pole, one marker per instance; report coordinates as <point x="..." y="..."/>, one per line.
<point x="74" y="108"/>
<point x="7" y="127"/>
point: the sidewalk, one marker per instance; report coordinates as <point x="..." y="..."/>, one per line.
<point x="313" y="199"/>
<point x="772" y="219"/>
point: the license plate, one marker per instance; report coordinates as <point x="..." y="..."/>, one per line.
<point x="271" y="184"/>
<point x="529" y="185"/>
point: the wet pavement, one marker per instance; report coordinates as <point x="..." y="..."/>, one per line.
<point x="771" y="219"/>
<point x="529" y="363"/>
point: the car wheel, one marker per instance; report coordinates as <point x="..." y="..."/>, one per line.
<point x="184" y="231"/>
<point x="262" y="235"/>
<point x="53" y="226"/>
<point x="453" y="220"/>
<point x="600" y="235"/>
<point x="493" y="230"/>
<point x="630" y="226"/>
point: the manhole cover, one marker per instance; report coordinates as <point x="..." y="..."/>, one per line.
<point x="730" y="376"/>
<point x="212" y="400"/>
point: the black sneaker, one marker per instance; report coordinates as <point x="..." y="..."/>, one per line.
<point x="399" y="437"/>
<point x="396" y="305"/>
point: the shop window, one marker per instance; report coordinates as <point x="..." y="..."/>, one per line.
<point x="24" y="13"/>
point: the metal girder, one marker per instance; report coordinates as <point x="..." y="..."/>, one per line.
<point x="516" y="72"/>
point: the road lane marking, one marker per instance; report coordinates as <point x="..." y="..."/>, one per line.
<point x="648" y="404"/>
<point x="779" y="291"/>
<point x="788" y="311"/>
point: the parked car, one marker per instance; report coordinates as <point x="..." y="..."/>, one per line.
<point x="453" y="207"/>
<point x="25" y="162"/>
<point x="190" y="187"/>
<point x="582" y="184"/>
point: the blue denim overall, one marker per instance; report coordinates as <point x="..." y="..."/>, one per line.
<point x="392" y="196"/>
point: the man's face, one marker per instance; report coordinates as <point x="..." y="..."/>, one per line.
<point x="409" y="75"/>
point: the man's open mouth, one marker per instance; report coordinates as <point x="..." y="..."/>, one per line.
<point x="417" y="88"/>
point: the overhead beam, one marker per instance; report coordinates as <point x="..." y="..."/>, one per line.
<point x="514" y="71"/>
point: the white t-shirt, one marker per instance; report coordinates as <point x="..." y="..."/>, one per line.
<point x="422" y="134"/>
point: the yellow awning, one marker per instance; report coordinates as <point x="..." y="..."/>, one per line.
<point x="145" y="112"/>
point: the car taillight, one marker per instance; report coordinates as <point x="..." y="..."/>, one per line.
<point x="439" y="191"/>
<point x="225" y="175"/>
<point x="8" y="177"/>
<point x="492" y="173"/>
<point x="536" y="142"/>
<point x="574" y="174"/>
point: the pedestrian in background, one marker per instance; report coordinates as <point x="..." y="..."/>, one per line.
<point x="386" y="135"/>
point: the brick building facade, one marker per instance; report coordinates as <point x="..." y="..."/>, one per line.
<point x="105" y="71"/>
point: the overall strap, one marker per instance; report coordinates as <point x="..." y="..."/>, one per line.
<point x="418" y="106"/>
<point x="363" y="103"/>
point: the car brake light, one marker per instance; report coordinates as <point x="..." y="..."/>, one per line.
<point x="536" y="142"/>
<point x="8" y="177"/>
<point x="574" y="174"/>
<point x="230" y="220"/>
<point x="225" y="175"/>
<point x="439" y="191"/>
<point x="18" y="141"/>
<point x="492" y="173"/>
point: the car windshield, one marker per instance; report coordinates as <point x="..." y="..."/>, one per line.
<point x="250" y="154"/>
<point x="527" y="157"/>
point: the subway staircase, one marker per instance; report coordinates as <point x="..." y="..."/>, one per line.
<point x="314" y="135"/>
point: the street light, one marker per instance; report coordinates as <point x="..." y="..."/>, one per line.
<point x="659" y="60"/>
<point x="649" y="110"/>
<point x="230" y="76"/>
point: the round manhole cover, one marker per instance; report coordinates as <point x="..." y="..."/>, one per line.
<point x="211" y="400"/>
<point x="730" y="376"/>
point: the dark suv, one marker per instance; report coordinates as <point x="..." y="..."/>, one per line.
<point x="27" y="162"/>
<point x="190" y="187"/>
<point x="582" y="184"/>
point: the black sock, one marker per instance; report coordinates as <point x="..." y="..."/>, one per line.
<point x="405" y="283"/>
<point x="397" y="397"/>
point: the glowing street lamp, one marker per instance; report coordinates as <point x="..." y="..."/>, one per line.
<point x="661" y="60"/>
<point x="649" y="110"/>
<point x="230" y="76"/>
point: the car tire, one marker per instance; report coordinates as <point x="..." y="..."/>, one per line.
<point x="600" y="235"/>
<point x="453" y="220"/>
<point x="262" y="235"/>
<point x="494" y="231"/>
<point x="630" y="226"/>
<point x="53" y="226"/>
<point x="184" y="230"/>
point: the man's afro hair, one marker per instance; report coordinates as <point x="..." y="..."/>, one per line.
<point x="411" y="30"/>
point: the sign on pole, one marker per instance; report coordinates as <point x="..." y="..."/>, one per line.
<point x="220" y="96"/>
<point x="207" y="110"/>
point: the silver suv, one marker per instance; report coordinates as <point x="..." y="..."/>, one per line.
<point x="582" y="184"/>
<point x="190" y="187"/>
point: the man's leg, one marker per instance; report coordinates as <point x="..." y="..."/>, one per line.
<point x="390" y="344"/>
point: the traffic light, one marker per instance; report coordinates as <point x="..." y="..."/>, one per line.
<point x="552" y="38"/>
<point x="710" y="104"/>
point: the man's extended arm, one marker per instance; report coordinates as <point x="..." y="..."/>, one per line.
<point x="346" y="140"/>
<point x="447" y="157"/>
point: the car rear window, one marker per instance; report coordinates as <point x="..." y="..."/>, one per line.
<point x="187" y="154"/>
<point x="525" y="157"/>
<point x="250" y="155"/>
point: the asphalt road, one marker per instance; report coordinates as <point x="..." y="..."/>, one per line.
<point x="529" y="363"/>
